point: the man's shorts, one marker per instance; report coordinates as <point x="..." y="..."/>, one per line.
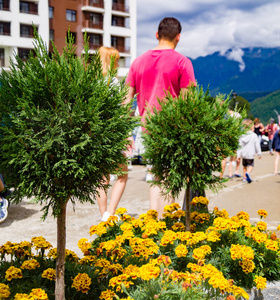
<point x="247" y="162"/>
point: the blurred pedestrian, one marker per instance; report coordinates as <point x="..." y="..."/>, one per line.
<point x="271" y="128"/>
<point x="258" y="128"/>
<point x="249" y="147"/>
<point x="276" y="148"/>
<point x="106" y="54"/>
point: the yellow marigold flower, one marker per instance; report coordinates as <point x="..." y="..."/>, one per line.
<point x="261" y="226"/>
<point x="107" y="295"/>
<point x="49" y="273"/>
<point x="137" y="223"/>
<point x="243" y="215"/>
<point x="262" y="213"/>
<point x="199" y="236"/>
<point x="30" y="264"/>
<point x="84" y="245"/>
<point x="194" y="267"/>
<point x="38" y="294"/>
<point x="271" y="245"/>
<point x="71" y="255"/>
<point x="198" y="254"/>
<point x="178" y="227"/>
<point x="4" y="291"/>
<point x="117" y="281"/>
<point x="221" y="223"/>
<point x="260" y="282"/>
<point x="88" y="260"/>
<point x="221" y="213"/>
<point x="21" y="296"/>
<point x="200" y="200"/>
<point x="101" y="263"/>
<point x="168" y="208"/>
<point x="239" y="292"/>
<point x="278" y="227"/>
<point x="213" y="236"/>
<point x="260" y="237"/>
<point x="121" y="211"/>
<point x="149" y="271"/>
<point x="168" y="238"/>
<point x="152" y="213"/>
<point x="163" y="259"/>
<point x="109" y="245"/>
<point x="167" y="215"/>
<point x="99" y="229"/>
<point x="181" y="250"/>
<point x="53" y="253"/>
<point x="247" y="266"/>
<point x="82" y="282"/>
<point x="40" y="243"/>
<point x="13" y="273"/>
<point x="132" y="271"/>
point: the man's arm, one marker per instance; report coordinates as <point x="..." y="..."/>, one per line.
<point x="131" y="93"/>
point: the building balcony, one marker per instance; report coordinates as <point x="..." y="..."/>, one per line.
<point x="92" y="25"/>
<point x="5" y="5"/>
<point x="120" y="7"/>
<point x="26" y="7"/>
<point x="93" y="3"/>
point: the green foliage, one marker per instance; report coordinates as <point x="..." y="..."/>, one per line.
<point x="264" y="107"/>
<point x="241" y="104"/>
<point x="64" y="127"/>
<point x="163" y="289"/>
<point x="188" y="138"/>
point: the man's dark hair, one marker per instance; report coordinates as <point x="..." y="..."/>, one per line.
<point x="168" y="28"/>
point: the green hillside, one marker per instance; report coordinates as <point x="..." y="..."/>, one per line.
<point x="264" y="107"/>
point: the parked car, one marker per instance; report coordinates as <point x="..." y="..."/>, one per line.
<point x="264" y="143"/>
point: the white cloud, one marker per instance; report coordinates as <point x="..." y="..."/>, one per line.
<point x="210" y="26"/>
<point x="236" y="54"/>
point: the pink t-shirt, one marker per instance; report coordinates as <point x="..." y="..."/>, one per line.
<point x="156" y="72"/>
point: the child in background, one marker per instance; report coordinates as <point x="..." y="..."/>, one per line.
<point x="249" y="147"/>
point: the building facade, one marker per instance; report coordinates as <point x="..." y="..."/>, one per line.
<point x="111" y="23"/>
<point x="16" y="27"/>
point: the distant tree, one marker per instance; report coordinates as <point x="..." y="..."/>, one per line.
<point x="63" y="129"/>
<point x="241" y="104"/>
<point x="186" y="141"/>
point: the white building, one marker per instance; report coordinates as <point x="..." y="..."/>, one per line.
<point x="111" y="23"/>
<point x="16" y="31"/>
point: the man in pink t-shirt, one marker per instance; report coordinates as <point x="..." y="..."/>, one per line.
<point x="157" y="72"/>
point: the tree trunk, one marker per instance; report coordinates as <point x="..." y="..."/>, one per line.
<point x="188" y="210"/>
<point x="60" y="262"/>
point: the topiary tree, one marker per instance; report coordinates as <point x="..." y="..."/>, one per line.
<point x="186" y="141"/>
<point x="64" y="129"/>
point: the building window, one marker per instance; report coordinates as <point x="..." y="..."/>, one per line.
<point x="4" y="5"/>
<point x="71" y="15"/>
<point x="24" y="53"/>
<point x="5" y="28"/>
<point x="26" y="31"/>
<point x="28" y="7"/>
<point x="2" y="58"/>
<point x="51" y="9"/>
<point x="118" y="42"/>
<point x="51" y="35"/>
<point x="95" y="41"/>
<point x="73" y="35"/>
<point x="118" y="21"/>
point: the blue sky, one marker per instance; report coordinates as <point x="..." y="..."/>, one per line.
<point x="212" y="25"/>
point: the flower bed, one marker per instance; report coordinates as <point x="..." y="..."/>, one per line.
<point x="149" y="259"/>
